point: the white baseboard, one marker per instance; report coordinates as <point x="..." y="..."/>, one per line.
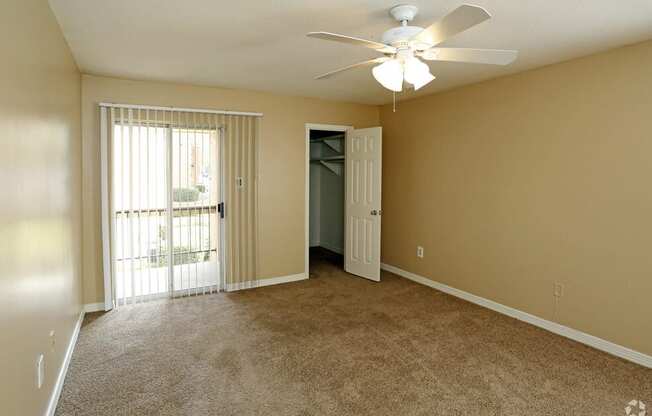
<point x="230" y="287"/>
<point x="61" y="377"/>
<point x="579" y="336"/>
<point x="314" y="244"/>
<point x="93" y="307"/>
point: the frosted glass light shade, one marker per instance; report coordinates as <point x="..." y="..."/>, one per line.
<point x="417" y="73"/>
<point x="390" y="75"/>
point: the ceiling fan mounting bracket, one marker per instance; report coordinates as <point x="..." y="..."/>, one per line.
<point x="403" y="12"/>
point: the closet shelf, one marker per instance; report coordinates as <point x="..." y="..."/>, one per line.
<point x="334" y="142"/>
<point x="335" y="166"/>
<point x="335" y="137"/>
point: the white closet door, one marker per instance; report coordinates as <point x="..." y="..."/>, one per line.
<point x="363" y="185"/>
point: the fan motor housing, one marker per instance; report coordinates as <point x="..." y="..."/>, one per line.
<point x="399" y="36"/>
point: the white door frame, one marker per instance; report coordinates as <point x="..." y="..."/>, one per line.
<point x="314" y="126"/>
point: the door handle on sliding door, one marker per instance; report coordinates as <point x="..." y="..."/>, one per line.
<point x="220" y="209"/>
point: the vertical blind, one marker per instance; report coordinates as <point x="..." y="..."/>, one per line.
<point x="165" y="173"/>
<point x="240" y="161"/>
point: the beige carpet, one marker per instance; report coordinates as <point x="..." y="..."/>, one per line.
<point x="337" y="345"/>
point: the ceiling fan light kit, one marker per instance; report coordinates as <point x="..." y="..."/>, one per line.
<point x="416" y="72"/>
<point x="403" y="67"/>
<point x="405" y="46"/>
<point x="390" y="75"/>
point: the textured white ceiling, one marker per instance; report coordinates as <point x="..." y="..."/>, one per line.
<point x="261" y="45"/>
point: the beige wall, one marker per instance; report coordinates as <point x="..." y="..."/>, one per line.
<point x="541" y="177"/>
<point x="40" y="168"/>
<point x="510" y="185"/>
<point x="282" y="161"/>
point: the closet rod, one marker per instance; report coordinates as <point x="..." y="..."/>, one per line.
<point x="328" y="159"/>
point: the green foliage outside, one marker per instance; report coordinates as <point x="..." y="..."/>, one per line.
<point x="180" y="255"/>
<point x="185" y="194"/>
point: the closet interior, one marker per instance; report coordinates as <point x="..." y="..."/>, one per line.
<point x="326" y="223"/>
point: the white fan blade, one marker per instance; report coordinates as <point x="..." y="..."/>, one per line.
<point x="381" y="47"/>
<point x="474" y="56"/>
<point x="459" y="20"/>
<point x="369" y="62"/>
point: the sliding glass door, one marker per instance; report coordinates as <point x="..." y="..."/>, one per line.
<point x="165" y="188"/>
<point x="166" y="175"/>
<point x="194" y="219"/>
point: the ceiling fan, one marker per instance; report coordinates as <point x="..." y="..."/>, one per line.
<point x="405" y="46"/>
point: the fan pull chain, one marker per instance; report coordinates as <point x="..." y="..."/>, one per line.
<point x="394" y="101"/>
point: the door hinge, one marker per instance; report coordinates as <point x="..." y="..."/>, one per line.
<point x="220" y="209"/>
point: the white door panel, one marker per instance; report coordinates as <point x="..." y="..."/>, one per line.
<point x="363" y="185"/>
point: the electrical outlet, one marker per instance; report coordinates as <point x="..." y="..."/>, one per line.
<point x="558" y="290"/>
<point x="53" y="340"/>
<point x="40" y="371"/>
<point x="420" y="252"/>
